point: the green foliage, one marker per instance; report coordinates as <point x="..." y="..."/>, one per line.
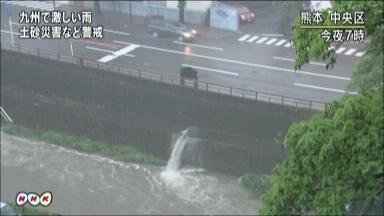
<point x="309" y="44"/>
<point x="369" y="69"/>
<point x="334" y="158"/>
<point x="23" y="210"/>
<point x="121" y="152"/>
<point x="256" y="184"/>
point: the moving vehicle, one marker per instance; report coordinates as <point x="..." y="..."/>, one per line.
<point x="245" y="15"/>
<point x="188" y="73"/>
<point x="165" y="28"/>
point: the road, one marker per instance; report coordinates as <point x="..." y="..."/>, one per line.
<point x="247" y="59"/>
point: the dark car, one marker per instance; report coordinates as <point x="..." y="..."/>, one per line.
<point x="165" y="28"/>
<point x="188" y="73"/>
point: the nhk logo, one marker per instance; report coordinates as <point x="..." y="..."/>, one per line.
<point x="45" y="199"/>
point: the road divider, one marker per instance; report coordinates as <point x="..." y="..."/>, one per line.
<point x="239" y="62"/>
<point x="211" y="69"/>
<point x="323" y="88"/>
<point x="272" y="35"/>
<point x="293" y="60"/>
<point x="117" y="32"/>
<point x="198" y="45"/>
<point x="9" y="32"/>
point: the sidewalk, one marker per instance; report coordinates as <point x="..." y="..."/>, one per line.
<point x="117" y="21"/>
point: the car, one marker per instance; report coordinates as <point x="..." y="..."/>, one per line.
<point x="188" y="73"/>
<point x="245" y="15"/>
<point x="6" y="209"/>
<point x="164" y="28"/>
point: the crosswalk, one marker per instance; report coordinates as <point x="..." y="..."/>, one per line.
<point x="281" y="42"/>
<point x="37" y="5"/>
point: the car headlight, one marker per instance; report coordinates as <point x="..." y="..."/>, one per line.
<point x="253" y="15"/>
<point x="187" y="35"/>
<point x="242" y="17"/>
<point x="194" y="31"/>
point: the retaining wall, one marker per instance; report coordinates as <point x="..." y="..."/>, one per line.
<point x="238" y="135"/>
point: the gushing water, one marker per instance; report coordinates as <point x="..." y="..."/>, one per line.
<point x="177" y="151"/>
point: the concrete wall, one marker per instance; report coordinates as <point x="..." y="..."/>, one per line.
<point x="147" y="9"/>
<point x="237" y="135"/>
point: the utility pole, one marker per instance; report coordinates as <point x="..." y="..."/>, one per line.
<point x="182" y="4"/>
<point x="130" y="11"/>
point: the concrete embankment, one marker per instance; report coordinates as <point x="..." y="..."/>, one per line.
<point x="236" y="135"/>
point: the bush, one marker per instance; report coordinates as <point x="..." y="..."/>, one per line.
<point x="122" y="152"/>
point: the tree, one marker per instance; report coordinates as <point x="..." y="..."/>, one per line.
<point x="333" y="159"/>
<point x="336" y="157"/>
<point x="309" y="44"/>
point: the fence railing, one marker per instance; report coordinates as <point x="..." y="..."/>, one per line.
<point x="169" y="79"/>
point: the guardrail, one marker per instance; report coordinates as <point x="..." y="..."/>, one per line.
<point x="169" y="79"/>
<point x="5" y="115"/>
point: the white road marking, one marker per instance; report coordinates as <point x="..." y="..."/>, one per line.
<point x="280" y="42"/>
<point x="105" y="50"/>
<point x="359" y="54"/>
<point x="289" y="44"/>
<point x="238" y="62"/>
<point x="293" y="60"/>
<point x="323" y="88"/>
<point x="118" y="53"/>
<point x="24" y="3"/>
<point x="31" y="4"/>
<point x="116" y="32"/>
<point x="211" y="69"/>
<point x="349" y="52"/>
<point x="40" y="5"/>
<point x="262" y="40"/>
<point x="27" y="3"/>
<point x="252" y="39"/>
<point x="341" y="49"/>
<point x="99" y="49"/>
<point x="244" y="37"/>
<point x="9" y="32"/>
<point x="273" y="35"/>
<point x="47" y="8"/>
<point x="271" y="41"/>
<point x="198" y="45"/>
<point x="16" y="23"/>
